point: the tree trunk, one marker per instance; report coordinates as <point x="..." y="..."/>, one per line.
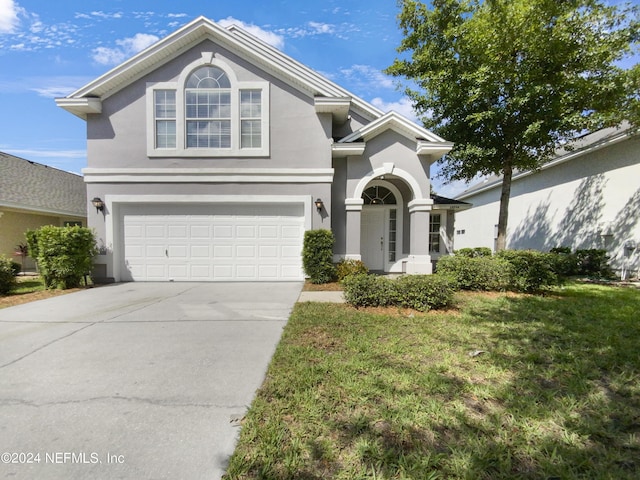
<point x="503" y="216"/>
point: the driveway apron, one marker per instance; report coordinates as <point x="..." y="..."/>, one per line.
<point x="134" y="380"/>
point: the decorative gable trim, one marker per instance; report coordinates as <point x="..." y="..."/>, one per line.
<point x="427" y="142"/>
<point x="233" y="38"/>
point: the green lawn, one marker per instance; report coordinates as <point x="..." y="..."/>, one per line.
<point x="351" y="394"/>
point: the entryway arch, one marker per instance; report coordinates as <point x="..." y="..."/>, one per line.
<point x="381" y="225"/>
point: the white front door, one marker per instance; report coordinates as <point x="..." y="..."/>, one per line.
<point x="372" y="237"/>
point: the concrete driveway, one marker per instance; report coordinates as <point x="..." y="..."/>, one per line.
<point x="134" y="380"/>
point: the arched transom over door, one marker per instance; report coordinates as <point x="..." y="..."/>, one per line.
<point x="380" y="233"/>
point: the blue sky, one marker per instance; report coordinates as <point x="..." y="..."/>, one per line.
<point x="50" y="48"/>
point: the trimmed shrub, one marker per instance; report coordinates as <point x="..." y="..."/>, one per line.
<point x="424" y="292"/>
<point x="350" y="267"/>
<point x="474" y="252"/>
<point x="367" y="290"/>
<point x="565" y="263"/>
<point x="593" y="263"/>
<point x="476" y="273"/>
<point x="420" y="292"/>
<point x="16" y="268"/>
<point x="532" y="271"/>
<point x="7" y="277"/>
<point x="65" y="254"/>
<point x="317" y="256"/>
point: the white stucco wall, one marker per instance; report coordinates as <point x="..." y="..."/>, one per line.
<point x="570" y="204"/>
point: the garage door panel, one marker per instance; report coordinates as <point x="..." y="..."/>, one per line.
<point x="224" y="252"/>
<point x="229" y="242"/>
<point x="290" y="251"/>
<point x="223" y="231"/>
<point x="245" y="231"/>
<point x="200" y="251"/>
<point x="200" y="231"/>
<point x="245" y="251"/>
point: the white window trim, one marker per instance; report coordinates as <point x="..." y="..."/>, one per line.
<point x="236" y="86"/>
<point x="442" y="232"/>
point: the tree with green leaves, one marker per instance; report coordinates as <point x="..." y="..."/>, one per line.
<point x="508" y="81"/>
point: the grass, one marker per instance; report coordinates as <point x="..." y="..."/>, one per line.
<point x="30" y="289"/>
<point x="366" y="395"/>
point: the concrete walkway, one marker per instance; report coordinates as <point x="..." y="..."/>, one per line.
<point x="135" y="380"/>
<point x="326" y="297"/>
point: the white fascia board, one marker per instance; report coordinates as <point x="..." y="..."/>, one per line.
<point x="435" y="149"/>
<point x="395" y="121"/>
<point x="236" y="40"/>
<point x="341" y="150"/>
<point x="301" y="72"/>
<point x="80" y="107"/>
<point x="26" y="209"/>
<point x="624" y="135"/>
<point x="337" y="106"/>
<point x="208" y="175"/>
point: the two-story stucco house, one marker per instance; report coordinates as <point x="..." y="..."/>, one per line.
<point x="213" y="152"/>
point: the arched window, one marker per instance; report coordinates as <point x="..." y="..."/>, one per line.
<point x="208" y="108"/>
<point x="378" y="195"/>
<point x="208" y="112"/>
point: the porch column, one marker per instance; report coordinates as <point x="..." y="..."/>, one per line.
<point x="354" y="210"/>
<point x="419" y="261"/>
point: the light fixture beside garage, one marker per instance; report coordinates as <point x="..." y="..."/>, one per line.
<point x="319" y="204"/>
<point x="98" y="203"/>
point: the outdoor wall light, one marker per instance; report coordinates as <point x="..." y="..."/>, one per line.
<point x="98" y="203"/>
<point x="319" y="205"/>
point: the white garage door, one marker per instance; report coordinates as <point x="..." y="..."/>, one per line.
<point x="213" y="242"/>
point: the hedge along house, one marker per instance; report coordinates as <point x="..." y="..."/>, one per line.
<point x="211" y="153"/>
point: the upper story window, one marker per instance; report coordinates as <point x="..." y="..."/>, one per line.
<point x="208" y="113"/>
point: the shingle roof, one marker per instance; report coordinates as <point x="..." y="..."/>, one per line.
<point x="32" y="186"/>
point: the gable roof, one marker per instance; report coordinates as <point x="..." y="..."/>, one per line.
<point x="428" y="143"/>
<point x="28" y="185"/>
<point x="580" y="146"/>
<point x="87" y="99"/>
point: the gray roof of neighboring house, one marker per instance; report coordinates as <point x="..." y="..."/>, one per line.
<point x="32" y="186"/>
<point x="579" y="146"/>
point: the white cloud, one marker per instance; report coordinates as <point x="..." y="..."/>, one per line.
<point x="8" y="16"/>
<point x="32" y="153"/>
<point x="126" y="47"/>
<point x="271" y="38"/>
<point x="54" y="91"/>
<point x="366" y="74"/>
<point x="319" y="28"/>
<point x="402" y="106"/>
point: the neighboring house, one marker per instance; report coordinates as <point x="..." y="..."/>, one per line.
<point x="213" y="152"/>
<point x="587" y="197"/>
<point x="33" y="195"/>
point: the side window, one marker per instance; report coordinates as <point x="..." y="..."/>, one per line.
<point x="165" y="118"/>
<point x="434" y="233"/>
<point x="250" y="118"/>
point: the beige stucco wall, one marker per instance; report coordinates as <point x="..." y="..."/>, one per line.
<point x="14" y="224"/>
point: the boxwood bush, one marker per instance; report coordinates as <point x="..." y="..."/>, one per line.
<point x="420" y="292"/>
<point x="350" y="267"/>
<point x="476" y="272"/>
<point x="317" y="256"/>
<point x="7" y="276"/>
<point x="532" y="271"/>
<point x="64" y="254"/>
